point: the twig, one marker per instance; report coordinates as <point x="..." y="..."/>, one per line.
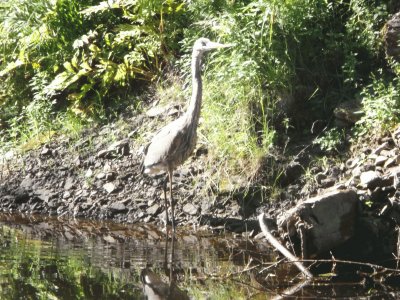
<point x="292" y="290"/>
<point x="349" y="262"/>
<point x="275" y="243"/>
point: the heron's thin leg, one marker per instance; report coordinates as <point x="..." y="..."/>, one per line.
<point x="171" y="270"/>
<point x="166" y="201"/>
<point x="170" y="171"/>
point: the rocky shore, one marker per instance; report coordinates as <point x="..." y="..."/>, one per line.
<point x="98" y="176"/>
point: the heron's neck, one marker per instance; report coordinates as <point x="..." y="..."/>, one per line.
<point x="193" y="112"/>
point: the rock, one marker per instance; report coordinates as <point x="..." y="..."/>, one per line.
<point x="380" y="148"/>
<point x="120" y="147"/>
<point x="104" y="153"/>
<point x="118" y="207"/>
<point x="352" y="163"/>
<point x="45" y="151"/>
<point x="190" y="209"/>
<point x="396" y="136"/>
<point x="21" y="195"/>
<point x="26" y="183"/>
<point x="392" y="161"/>
<point x="153" y="210"/>
<point x="44" y="194"/>
<point x="156" y="111"/>
<point x="109" y="187"/>
<point x="89" y="173"/>
<point x="328" y="182"/>
<point x="101" y="175"/>
<point x="392" y="37"/>
<point x="326" y="221"/>
<point x="380" y="160"/>
<point x="319" y="177"/>
<point x="292" y="172"/>
<point x="69" y="183"/>
<point x="395" y="174"/>
<point x="348" y="113"/>
<point x="370" y="179"/>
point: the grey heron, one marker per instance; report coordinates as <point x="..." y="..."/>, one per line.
<point x="175" y="142"/>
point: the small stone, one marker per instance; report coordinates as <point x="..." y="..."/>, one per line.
<point x="109" y="187"/>
<point x="45" y="151"/>
<point x="43" y="194"/>
<point x="121" y="147"/>
<point x="153" y="210"/>
<point x="351" y="163"/>
<point x="370" y="179"/>
<point x="101" y="175"/>
<point x="104" y="153"/>
<point x="380" y="160"/>
<point x="328" y="182"/>
<point x="118" y="207"/>
<point x="392" y="161"/>
<point x="89" y="173"/>
<point x="190" y="209"/>
<point x="319" y="177"/>
<point x="378" y="150"/>
<point x="156" y="111"/>
<point x="26" y="183"/>
<point x="69" y="183"/>
<point x="21" y="195"/>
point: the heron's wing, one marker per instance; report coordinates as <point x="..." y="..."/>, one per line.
<point x="167" y="143"/>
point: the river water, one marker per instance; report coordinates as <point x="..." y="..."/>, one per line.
<point x="47" y="258"/>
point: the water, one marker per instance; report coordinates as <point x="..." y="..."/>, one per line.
<point x="44" y="258"/>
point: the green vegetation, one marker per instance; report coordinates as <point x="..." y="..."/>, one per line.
<point x="69" y="63"/>
<point x="33" y="269"/>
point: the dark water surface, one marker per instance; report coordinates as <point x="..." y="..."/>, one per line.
<point x="44" y="258"/>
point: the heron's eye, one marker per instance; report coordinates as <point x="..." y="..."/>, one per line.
<point x="203" y="44"/>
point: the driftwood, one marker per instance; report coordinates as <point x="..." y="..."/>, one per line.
<point x="275" y="243"/>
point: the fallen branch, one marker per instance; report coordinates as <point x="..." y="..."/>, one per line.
<point x="275" y="243"/>
<point x="349" y="262"/>
<point x="292" y="290"/>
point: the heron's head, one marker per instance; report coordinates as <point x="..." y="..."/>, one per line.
<point x="203" y="45"/>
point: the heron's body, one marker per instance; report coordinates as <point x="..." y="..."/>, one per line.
<point x="181" y="144"/>
<point x="175" y="142"/>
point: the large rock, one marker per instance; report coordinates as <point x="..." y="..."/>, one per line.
<point x="392" y="37"/>
<point x="321" y="223"/>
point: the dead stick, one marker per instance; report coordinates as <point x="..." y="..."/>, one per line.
<point x="349" y="262"/>
<point x="291" y="290"/>
<point x="274" y="242"/>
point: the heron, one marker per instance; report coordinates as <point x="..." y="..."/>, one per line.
<point x="175" y="142"/>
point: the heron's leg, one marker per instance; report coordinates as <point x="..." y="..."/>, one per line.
<point x="166" y="201"/>
<point x="170" y="171"/>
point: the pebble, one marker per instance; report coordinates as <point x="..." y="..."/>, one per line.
<point x="109" y="187"/>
